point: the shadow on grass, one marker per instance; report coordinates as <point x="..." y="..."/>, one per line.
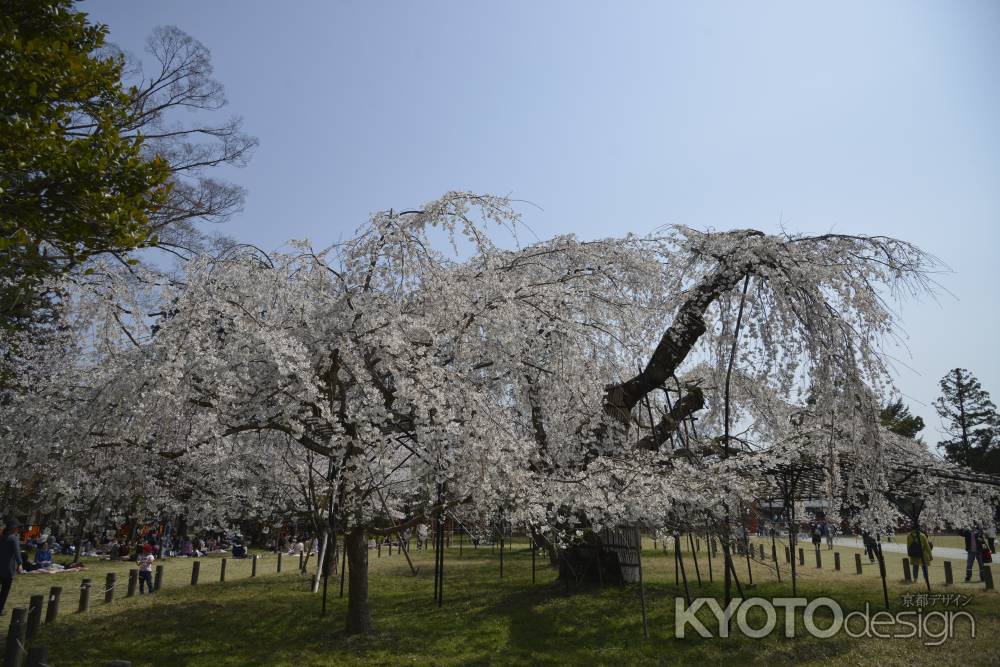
<point x="484" y="620"/>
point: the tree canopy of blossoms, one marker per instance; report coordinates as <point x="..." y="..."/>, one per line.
<point x="424" y="366"/>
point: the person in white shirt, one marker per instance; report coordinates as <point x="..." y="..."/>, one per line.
<point x="146" y="569"/>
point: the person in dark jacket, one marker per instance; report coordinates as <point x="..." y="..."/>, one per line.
<point x="975" y="547"/>
<point x="10" y="560"/>
<point x="871" y="546"/>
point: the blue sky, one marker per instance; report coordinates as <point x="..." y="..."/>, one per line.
<point x="875" y="118"/>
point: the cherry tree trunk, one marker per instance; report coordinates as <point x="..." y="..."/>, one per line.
<point x="359" y="617"/>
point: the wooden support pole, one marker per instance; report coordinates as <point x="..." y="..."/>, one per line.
<point x="195" y="569"/>
<point x="253" y="566"/>
<point x="906" y="570"/>
<point x="885" y="585"/>
<point x="802" y="556"/>
<point x="948" y="577"/>
<point x="819" y="559"/>
<point x="158" y="578"/>
<point x="857" y="562"/>
<point x="222" y="571"/>
<point x="441" y="550"/>
<point x="694" y="557"/>
<point x="343" y="564"/>
<point x="84" y="596"/>
<point x="133" y="582"/>
<point x="110" y="580"/>
<point x="52" y="610"/>
<point x="35" y="615"/>
<point x="38" y="656"/>
<point x="279" y="562"/>
<point x="679" y="559"/>
<point x="534" y="548"/>
<point x="16" y="636"/>
<point x="642" y="591"/>
<point x="836" y="561"/>
<point x="988" y="578"/>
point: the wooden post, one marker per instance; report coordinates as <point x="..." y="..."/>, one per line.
<point x="34" y="615"/>
<point x="222" y="571"/>
<point x="802" y="556"/>
<point x="642" y="590"/>
<point x="16" y="638"/>
<point x="988" y="578"/>
<point x="343" y="565"/>
<point x="836" y="561"/>
<point x="378" y="547"/>
<point x="279" y="561"/>
<point x="857" y="562"/>
<point x="694" y="556"/>
<point x="133" y="580"/>
<point x="158" y="578"/>
<point x="906" y="570"/>
<point x="38" y="656"/>
<point x="948" y="578"/>
<point x="533" y="550"/>
<point x="52" y="610"/>
<point x="788" y="554"/>
<point x="761" y="551"/>
<point x="881" y="573"/>
<point x="698" y="544"/>
<point x="679" y="560"/>
<point x="774" y="557"/>
<point x="819" y="559"/>
<point x="302" y="561"/>
<point x="253" y="566"/>
<point x="109" y="587"/>
<point x="84" y="596"/>
<point x="195" y="569"/>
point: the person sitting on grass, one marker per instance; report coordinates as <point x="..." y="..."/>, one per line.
<point x="43" y="557"/>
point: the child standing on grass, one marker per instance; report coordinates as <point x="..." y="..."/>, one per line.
<point x="146" y="569"/>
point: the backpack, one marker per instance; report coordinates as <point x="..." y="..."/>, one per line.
<point x="915" y="549"/>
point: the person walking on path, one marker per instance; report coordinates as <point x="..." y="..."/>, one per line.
<point x="870" y="545"/>
<point x="919" y="548"/>
<point x="975" y="547"/>
<point x="10" y="560"/>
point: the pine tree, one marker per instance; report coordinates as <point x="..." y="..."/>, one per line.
<point x="897" y="418"/>
<point x="971" y="421"/>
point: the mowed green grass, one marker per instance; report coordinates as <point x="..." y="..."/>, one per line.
<point x="275" y="620"/>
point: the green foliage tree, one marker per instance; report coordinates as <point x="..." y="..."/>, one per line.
<point x="971" y="421"/>
<point x="897" y="418"/>
<point x="72" y="184"/>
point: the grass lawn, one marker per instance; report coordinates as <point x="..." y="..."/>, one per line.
<point x="275" y="620"/>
